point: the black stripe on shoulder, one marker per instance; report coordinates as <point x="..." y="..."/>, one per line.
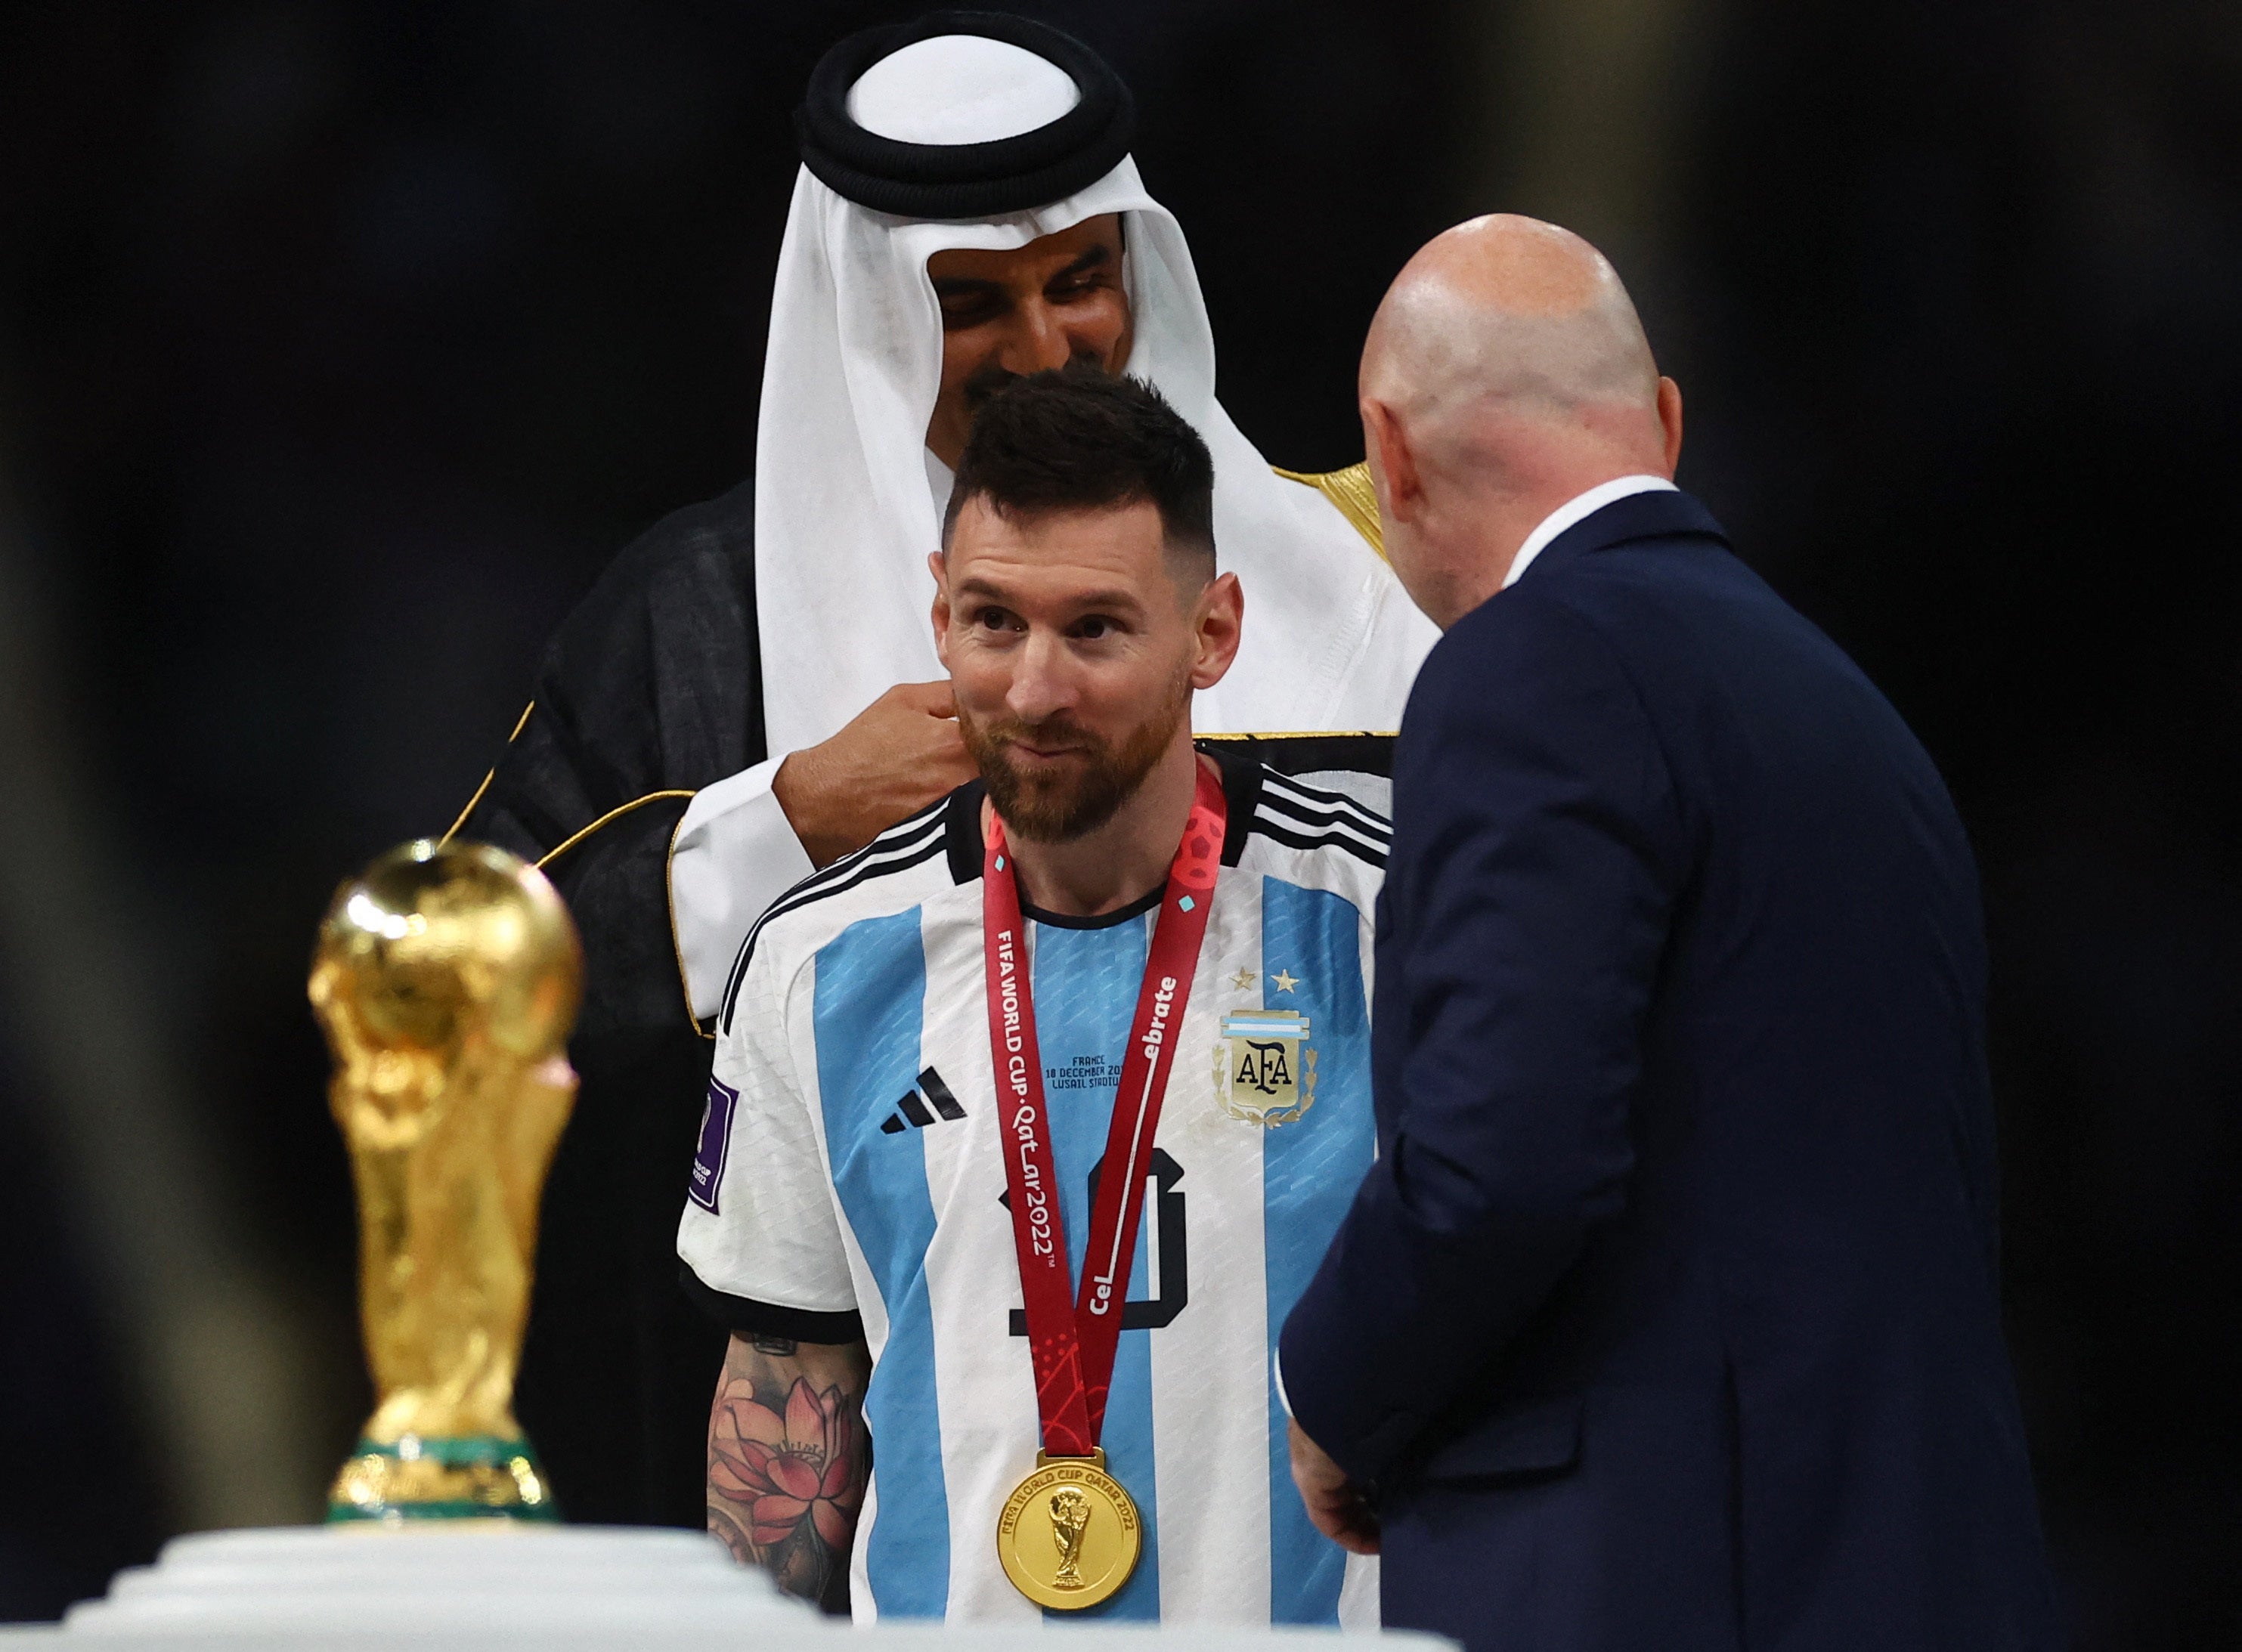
<point x="917" y="857"/>
<point x="1316" y="798"/>
<point x="1339" y="830"/>
<point x="1278" y="832"/>
<point x="744" y="1317"/>
<point x="899" y="848"/>
<point x="910" y="831"/>
<point x="1317" y="817"/>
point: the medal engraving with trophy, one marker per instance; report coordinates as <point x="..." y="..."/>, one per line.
<point x="447" y="978"/>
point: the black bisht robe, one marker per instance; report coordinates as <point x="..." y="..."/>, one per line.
<point x="652" y="685"/>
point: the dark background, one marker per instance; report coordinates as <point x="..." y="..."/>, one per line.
<point x="339" y="346"/>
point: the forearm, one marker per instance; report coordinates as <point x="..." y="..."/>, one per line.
<point x="788" y="1462"/>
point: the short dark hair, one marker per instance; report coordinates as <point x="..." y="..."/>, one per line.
<point x="1077" y="439"/>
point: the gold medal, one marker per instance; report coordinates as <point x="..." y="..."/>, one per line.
<point x="1069" y="1536"/>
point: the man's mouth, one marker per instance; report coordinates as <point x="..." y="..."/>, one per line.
<point x="982" y="387"/>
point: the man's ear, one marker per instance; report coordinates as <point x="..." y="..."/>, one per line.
<point x="1669" y="416"/>
<point x="1219" y="620"/>
<point x="937" y="565"/>
<point x="1393" y="466"/>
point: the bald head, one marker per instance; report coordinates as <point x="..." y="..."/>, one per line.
<point x="1505" y="373"/>
<point x="1507" y="310"/>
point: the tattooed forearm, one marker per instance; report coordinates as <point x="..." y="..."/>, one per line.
<point x="787" y="1460"/>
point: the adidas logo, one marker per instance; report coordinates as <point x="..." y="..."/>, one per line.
<point x="914" y="1104"/>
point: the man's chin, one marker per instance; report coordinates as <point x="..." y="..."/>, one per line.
<point x="1045" y="809"/>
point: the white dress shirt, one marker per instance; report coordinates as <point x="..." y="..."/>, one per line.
<point x="1579" y="507"/>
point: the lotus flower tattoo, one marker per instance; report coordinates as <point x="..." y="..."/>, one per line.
<point x="788" y="1464"/>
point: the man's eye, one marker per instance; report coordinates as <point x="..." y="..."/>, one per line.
<point x="993" y="620"/>
<point x="970" y="309"/>
<point x="1093" y="628"/>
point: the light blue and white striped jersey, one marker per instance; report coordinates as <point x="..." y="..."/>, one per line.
<point x="851" y="1170"/>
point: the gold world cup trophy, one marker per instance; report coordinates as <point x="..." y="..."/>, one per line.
<point x="447" y="979"/>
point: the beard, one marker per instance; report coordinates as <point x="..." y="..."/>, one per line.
<point x="1058" y="803"/>
<point x="992" y="378"/>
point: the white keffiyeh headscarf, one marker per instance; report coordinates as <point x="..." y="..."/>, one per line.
<point x="844" y="513"/>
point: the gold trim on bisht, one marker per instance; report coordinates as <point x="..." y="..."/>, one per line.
<point x="614" y="815"/>
<point x="452" y="830"/>
<point x="1351" y="493"/>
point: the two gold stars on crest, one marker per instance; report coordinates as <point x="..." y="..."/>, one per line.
<point x="1243" y="980"/>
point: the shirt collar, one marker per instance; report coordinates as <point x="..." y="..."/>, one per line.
<point x="1579" y="508"/>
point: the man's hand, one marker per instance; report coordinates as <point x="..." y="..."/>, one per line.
<point x="1335" y="1503"/>
<point x="896" y="756"/>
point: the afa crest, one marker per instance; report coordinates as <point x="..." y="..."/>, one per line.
<point x="1264" y="1069"/>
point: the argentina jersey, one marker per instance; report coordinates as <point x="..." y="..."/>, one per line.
<point x="851" y="1180"/>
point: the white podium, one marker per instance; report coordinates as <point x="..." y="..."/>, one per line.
<point x="502" y="1588"/>
<point x="494" y="1580"/>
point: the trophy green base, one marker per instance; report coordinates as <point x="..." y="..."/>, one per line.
<point x="474" y="1477"/>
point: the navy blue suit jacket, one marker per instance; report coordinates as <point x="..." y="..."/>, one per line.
<point x="1668" y="1317"/>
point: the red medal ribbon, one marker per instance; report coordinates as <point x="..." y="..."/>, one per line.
<point x="1072" y="1339"/>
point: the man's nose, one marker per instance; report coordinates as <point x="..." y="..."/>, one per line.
<point x="1039" y="340"/>
<point x="1039" y="689"/>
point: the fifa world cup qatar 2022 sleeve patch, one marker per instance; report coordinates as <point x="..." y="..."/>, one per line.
<point x="715" y="1142"/>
